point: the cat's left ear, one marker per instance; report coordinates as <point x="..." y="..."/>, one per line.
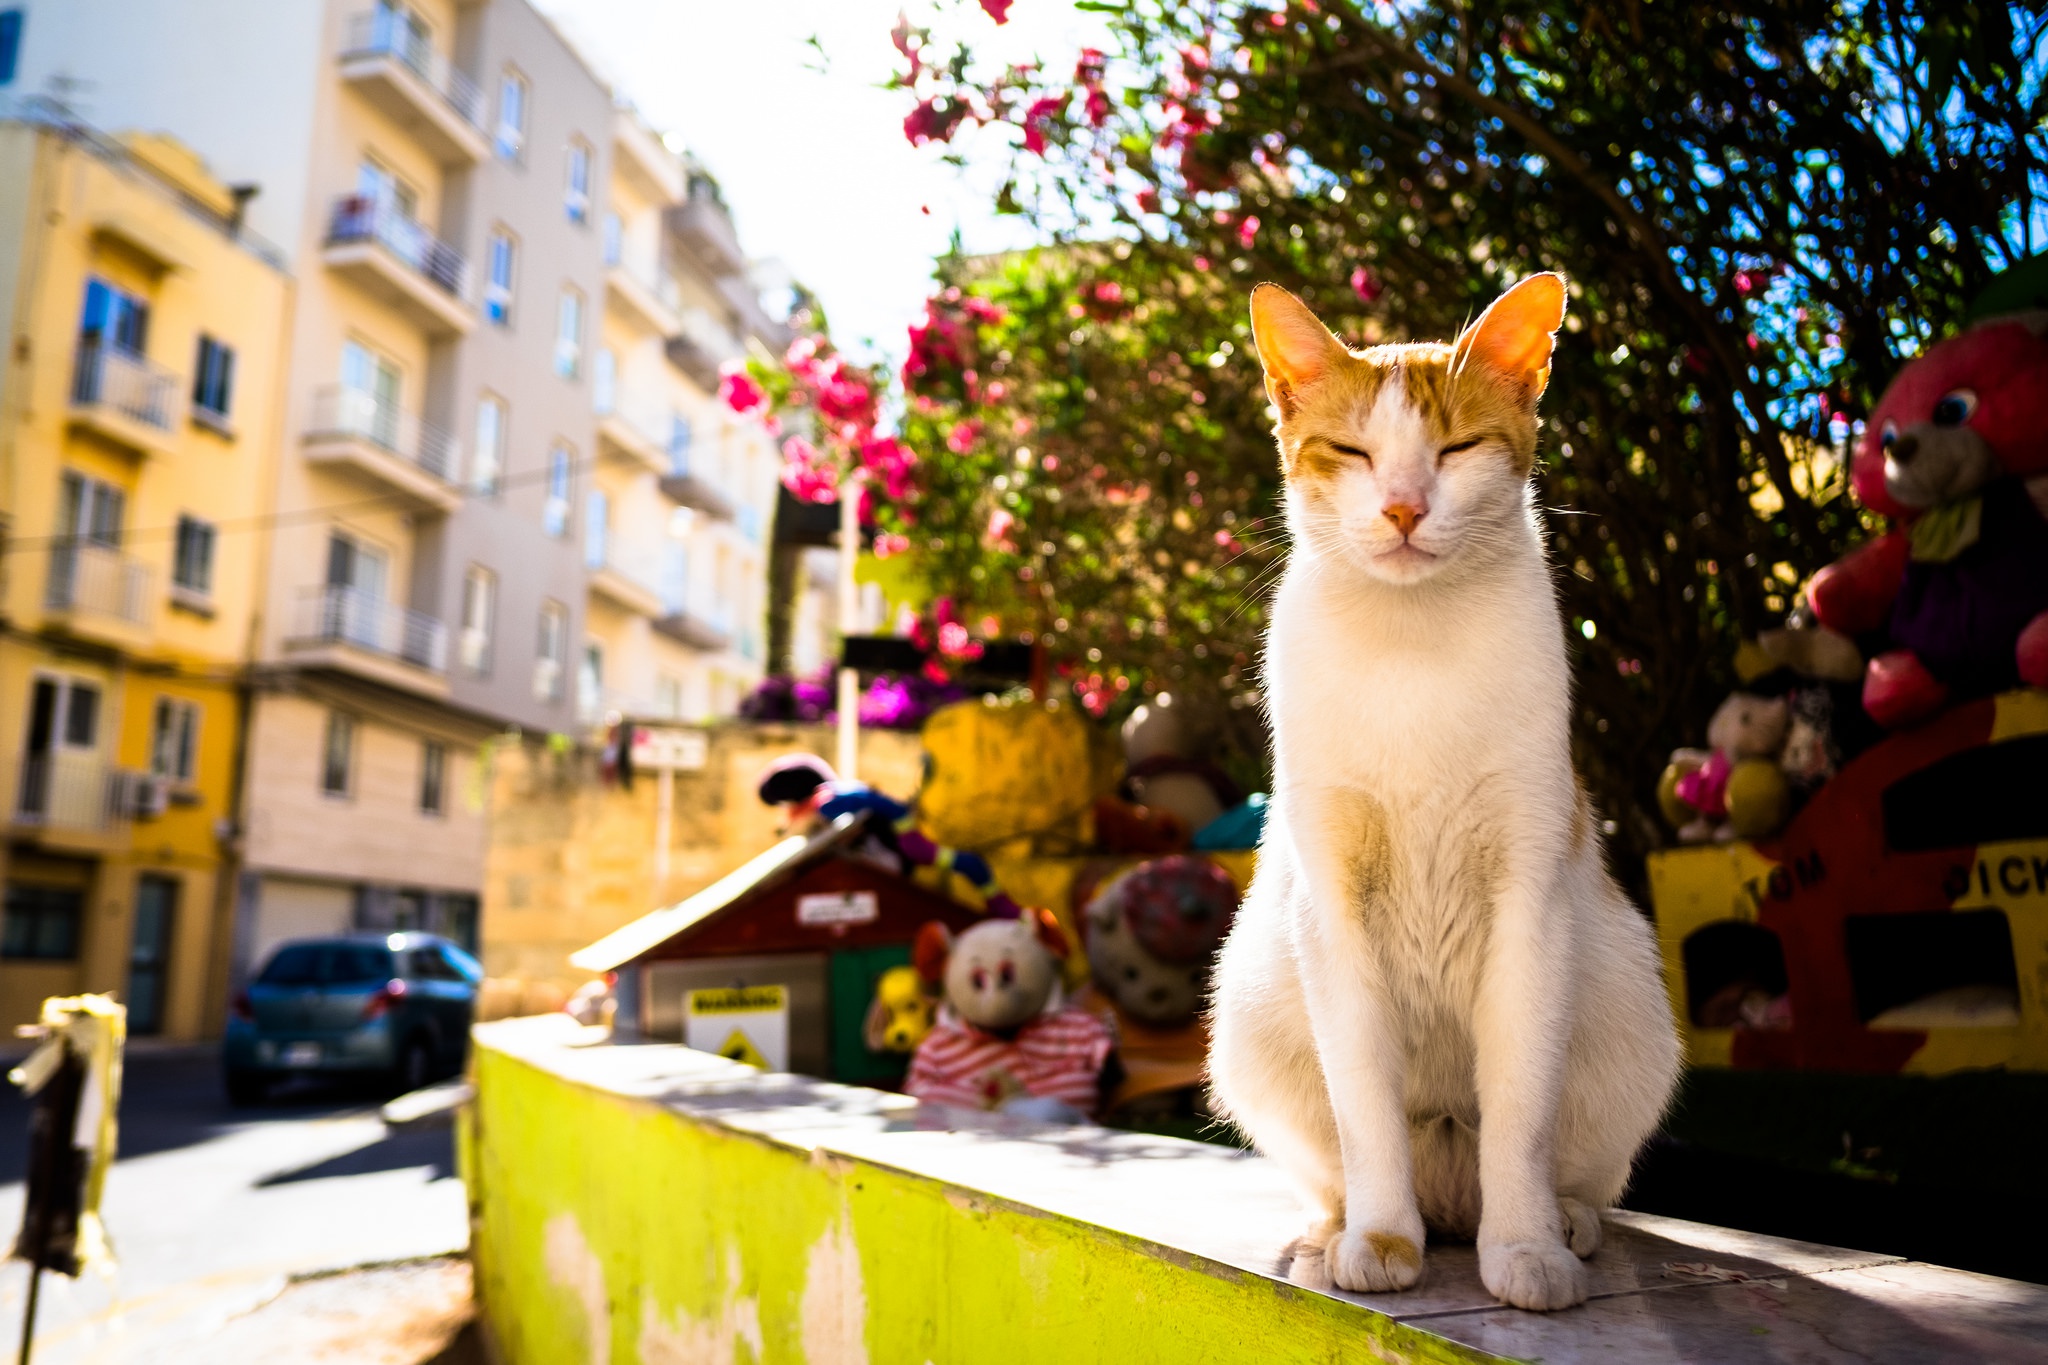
<point x="1516" y="334"/>
<point x="1294" y="346"/>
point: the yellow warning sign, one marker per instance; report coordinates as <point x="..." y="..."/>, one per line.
<point x="747" y="1024"/>
<point x="739" y="1048"/>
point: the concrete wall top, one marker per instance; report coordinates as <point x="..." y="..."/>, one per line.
<point x="1094" y="1214"/>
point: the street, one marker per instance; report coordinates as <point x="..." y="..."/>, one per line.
<point x="212" y="1210"/>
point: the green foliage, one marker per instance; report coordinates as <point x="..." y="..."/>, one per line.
<point x="1761" y="207"/>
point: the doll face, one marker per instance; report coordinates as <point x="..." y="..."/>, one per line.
<point x="1749" y="726"/>
<point x="1143" y="987"/>
<point x="1971" y="408"/>
<point x="999" y="975"/>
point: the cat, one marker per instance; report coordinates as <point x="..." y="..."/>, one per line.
<point x="1436" y="1010"/>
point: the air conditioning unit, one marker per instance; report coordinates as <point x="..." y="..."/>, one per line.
<point x="141" y="796"/>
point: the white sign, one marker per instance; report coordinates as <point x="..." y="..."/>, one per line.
<point x="654" y="749"/>
<point x="745" y="1023"/>
<point x="838" y="907"/>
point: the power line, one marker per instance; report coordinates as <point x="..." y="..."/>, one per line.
<point x="300" y="516"/>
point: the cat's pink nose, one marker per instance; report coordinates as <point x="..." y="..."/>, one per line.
<point x="1405" y="515"/>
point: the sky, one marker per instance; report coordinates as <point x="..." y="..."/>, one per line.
<point x="813" y="163"/>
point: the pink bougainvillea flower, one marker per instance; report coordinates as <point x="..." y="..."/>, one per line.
<point x="962" y="437"/>
<point x="843" y="396"/>
<point x="1097" y="106"/>
<point x="999" y="523"/>
<point x="1148" y="201"/>
<point x="741" y="393"/>
<point x="910" y="42"/>
<point x="1365" y="284"/>
<point x="807" y="472"/>
<point x="1248" y="231"/>
<point x="984" y="310"/>
<point x="933" y="120"/>
<point x="889" y="543"/>
<point x="1039" y="116"/>
<point x="1201" y="262"/>
<point x="998" y="10"/>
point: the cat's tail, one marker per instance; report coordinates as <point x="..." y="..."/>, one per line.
<point x="1447" y="1176"/>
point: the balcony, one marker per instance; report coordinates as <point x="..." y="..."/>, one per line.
<point x="627" y="580"/>
<point x="68" y="791"/>
<point x="702" y="224"/>
<point x="395" y="67"/>
<point x="397" y="260"/>
<point x="353" y="631"/>
<point x="125" y="399"/>
<point x="395" y="451"/>
<point x="623" y="438"/>
<point x="679" y="485"/>
<point x="652" y="303"/>
<point x="693" y="631"/>
<point x="100" y="592"/>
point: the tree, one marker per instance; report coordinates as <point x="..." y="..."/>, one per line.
<point x="1761" y="208"/>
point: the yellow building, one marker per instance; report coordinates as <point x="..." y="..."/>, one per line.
<point x="138" y="438"/>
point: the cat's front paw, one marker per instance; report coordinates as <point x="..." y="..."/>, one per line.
<point x="1371" y="1262"/>
<point x="1581" y="1225"/>
<point x="1538" y="1275"/>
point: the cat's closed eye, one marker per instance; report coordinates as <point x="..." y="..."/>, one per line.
<point x="1454" y="447"/>
<point x="1343" y="449"/>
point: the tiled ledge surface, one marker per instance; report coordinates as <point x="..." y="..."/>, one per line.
<point x="1662" y="1290"/>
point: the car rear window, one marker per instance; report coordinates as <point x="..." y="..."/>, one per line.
<point x="325" y="964"/>
<point x="296" y="965"/>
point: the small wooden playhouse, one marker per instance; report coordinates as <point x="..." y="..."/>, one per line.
<point x="787" y="948"/>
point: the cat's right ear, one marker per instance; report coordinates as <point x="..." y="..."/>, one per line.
<point x="1294" y="346"/>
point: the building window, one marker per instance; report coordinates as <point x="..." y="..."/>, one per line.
<point x="174" y="739"/>
<point x="576" y="194"/>
<point x="499" y="260"/>
<point x="487" y="470"/>
<point x="213" y="383"/>
<point x="614" y="239"/>
<point x="42" y="923"/>
<point x="554" y="513"/>
<point x="511" y="139"/>
<point x="10" y="44"/>
<point x="569" y="335"/>
<point x="433" y="777"/>
<point x="590" y="682"/>
<point x="479" y="607"/>
<point x="604" y="382"/>
<point x="337" y="753"/>
<point x="597" y="523"/>
<point x="547" y="664"/>
<point x="680" y="437"/>
<point x="668" y="697"/>
<point x="114" y="318"/>
<point x="192" y="561"/>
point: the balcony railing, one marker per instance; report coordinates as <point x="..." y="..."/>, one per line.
<point x="391" y="33"/>
<point x="98" y="580"/>
<point x="108" y="376"/>
<point x="339" y="410"/>
<point x="67" y="790"/>
<point x="360" y="218"/>
<point x="350" y="616"/>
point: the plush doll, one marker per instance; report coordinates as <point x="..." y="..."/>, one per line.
<point x="1956" y="454"/>
<point x="1005" y="1038"/>
<point x="1153" y="931"/>
<point x="812" y="794"/>
<point x="1162" y="773"/>
<point x="1734" y="790"/>
<point x="904" y="1009"/>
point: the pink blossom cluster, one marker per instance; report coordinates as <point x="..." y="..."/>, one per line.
<point x="842" y="443"/>
<point x="942" y="345"/>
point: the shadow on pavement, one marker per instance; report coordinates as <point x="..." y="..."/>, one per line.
<point x="432" y="1146"/>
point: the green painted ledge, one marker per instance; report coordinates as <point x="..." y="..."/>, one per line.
<point x="652" y="1204"/>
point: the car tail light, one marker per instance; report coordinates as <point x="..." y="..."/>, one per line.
<point x="376" y="1005"/>
<point x="241" y="1006"/>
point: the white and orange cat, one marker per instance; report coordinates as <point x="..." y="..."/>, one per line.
<point x="1436" y="1009"/>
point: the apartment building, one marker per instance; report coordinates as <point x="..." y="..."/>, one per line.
<point x="506" y="499"/>
<point x="675" y="524"/>
<point x="139" y="423"/>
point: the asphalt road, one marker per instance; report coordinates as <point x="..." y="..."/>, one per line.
<point x="213" y="1209"/>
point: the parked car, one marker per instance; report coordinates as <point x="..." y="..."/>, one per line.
<point x="395" y="1007"/>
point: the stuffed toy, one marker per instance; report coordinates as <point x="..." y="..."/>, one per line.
<point x="1956" y="454"/>
<point x="1162" y="773"/>
<point x="1005" y="1038"/>
<point x="904" y="1009"/>
<point x="1735" y="789"/>
<point x="812" y="794"/>
<point x="1152" y="933"/>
